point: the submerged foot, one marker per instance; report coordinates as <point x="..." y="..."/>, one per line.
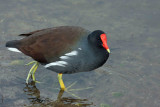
<point x="69" y="89"/>
<point x="79" y="89"/>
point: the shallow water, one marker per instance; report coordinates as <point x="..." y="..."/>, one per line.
<point x="130" y="78"/>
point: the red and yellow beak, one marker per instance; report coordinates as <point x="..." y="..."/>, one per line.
<point x="104" y="41"/>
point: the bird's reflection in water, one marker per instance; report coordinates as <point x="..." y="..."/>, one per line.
<point x="35" y="99"/>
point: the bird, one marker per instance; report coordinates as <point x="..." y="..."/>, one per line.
<point x="63" y="49"/>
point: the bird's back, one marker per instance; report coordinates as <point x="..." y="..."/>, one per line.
<point x="48" y="44"/>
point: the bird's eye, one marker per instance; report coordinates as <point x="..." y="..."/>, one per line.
<point x="99" y="38"/>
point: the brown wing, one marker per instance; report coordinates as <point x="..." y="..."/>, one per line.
<point x="47" y="45"/>
<point x="31" y="33"/>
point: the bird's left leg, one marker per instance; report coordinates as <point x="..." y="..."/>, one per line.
<point x="32" y="71"/>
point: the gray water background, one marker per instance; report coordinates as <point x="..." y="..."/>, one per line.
<point x="131" y="76"/>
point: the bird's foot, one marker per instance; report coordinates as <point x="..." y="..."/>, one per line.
<point x="32" y="71"/>
<point x="79" y="89"/>
<point x="70" y="90"/>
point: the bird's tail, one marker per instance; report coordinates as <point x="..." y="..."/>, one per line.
<point x="13" y="45"/>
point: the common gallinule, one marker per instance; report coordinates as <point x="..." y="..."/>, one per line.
<point x="64" y="49"/>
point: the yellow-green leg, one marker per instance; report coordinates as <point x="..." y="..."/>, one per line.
<point x="33" y="77"/>
<point x="68" y="88"/>
<point x="61" y="82"/>
<point x="32" y="71"/>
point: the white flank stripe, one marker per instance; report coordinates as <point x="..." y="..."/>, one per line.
<point x="14" y="50"/>
<point x="64" y="57"/>
<point x="57" y="63"/>
<point x="80" y="48"/>
<point x="72" y="53"/>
